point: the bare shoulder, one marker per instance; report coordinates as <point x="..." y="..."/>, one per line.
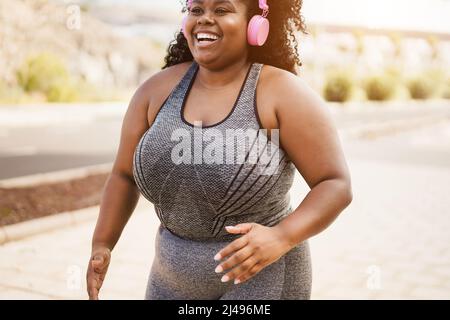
<point x="278" y="93"/>
<point x="141" y="113"/>
<point x="290" y="95"/>
<point x="159" y="85"/>
<point x="307" y="130"/>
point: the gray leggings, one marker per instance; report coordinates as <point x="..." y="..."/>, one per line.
<point x="184" y="270"/>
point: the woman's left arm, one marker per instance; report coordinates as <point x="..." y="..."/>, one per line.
<point x="308" y="135"/>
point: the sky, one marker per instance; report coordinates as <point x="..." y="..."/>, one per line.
<point x="419" y="15"/>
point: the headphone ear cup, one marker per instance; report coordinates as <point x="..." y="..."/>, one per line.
<point x="258" y="30"/>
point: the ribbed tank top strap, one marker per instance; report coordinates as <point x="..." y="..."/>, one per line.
<point x="170" y="109"/>
<point x="245" y="113"/>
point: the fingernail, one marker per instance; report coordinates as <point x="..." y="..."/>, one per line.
<point x="219" y="269"/>
<point x="230" y="227"/>
<point x="225" y="279"/>
<point x="237" y="281"/>
<point x="217" y="257"/>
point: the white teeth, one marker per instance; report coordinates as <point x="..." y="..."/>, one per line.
<point x="207" y="36"/>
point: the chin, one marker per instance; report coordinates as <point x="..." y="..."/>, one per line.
<point x="206" y="59"/>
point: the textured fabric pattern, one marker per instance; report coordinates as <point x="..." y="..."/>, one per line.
<point x="196" y="201"/>
<point x="184" y="270"/>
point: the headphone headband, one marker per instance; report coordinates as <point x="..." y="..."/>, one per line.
<point x="262" y="4"/>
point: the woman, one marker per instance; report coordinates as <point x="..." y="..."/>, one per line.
<point x="227" y="229"/>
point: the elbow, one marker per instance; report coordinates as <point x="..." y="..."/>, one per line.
<point x="348" y="194"/>
<point x="346" y="191"/>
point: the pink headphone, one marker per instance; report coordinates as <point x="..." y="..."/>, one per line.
<point x="258" y="26"/>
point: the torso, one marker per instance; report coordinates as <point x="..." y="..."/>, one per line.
<point x="222" y="100"/>
<point x="193" y="199"/>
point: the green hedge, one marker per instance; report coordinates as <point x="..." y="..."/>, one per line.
<point x="338" y="87"/>
<point x="379" y="87"/>
<point x="47" y="74"/>
<point x="446" y="90"/>
<point x="421" y="88"/>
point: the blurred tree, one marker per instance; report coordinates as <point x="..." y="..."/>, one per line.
<point x="446" y="91"/>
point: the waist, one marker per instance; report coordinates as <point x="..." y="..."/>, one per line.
<point x="203" y="227"/>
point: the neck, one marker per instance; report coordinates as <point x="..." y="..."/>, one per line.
<point x="216" y="79"/>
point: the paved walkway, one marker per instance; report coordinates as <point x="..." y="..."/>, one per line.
<point x="53" y="265"/>
<point x="391" y="243"/>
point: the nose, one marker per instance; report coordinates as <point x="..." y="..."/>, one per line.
<point x="205" y="19"/>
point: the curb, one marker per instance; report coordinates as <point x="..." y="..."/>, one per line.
<point x="36" y="226"/>
<point x="55" y="176"/>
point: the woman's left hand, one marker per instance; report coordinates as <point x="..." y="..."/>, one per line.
<point x="249" y="254"/>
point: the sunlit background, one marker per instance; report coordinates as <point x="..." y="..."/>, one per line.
<point x="69" y="68"/>
<point x="61" y="51"/>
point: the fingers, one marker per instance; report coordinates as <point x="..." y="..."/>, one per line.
<point x="240" y="228"/>
<point x="93" y="287"/>
<point x="234" y="260"/>
<point x="249" y="274"/>
<point x="98" y="265"/>
<point x="93" y="294"/>
<point x="232" y="247"/>
<point x="94" y="283"/>
<point x="100" y="262"/>
<point x="242" y="269"/>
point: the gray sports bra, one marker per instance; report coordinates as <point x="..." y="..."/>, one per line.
<point x="184" y="169"/>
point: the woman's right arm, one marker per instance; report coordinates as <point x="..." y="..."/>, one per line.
<point x="120" y="194"/>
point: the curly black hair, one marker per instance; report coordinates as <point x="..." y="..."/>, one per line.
<point x="281" y="48"/>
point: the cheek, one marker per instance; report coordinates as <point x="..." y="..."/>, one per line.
<point x="189" y="26"/>
<point x="234" y="29"/>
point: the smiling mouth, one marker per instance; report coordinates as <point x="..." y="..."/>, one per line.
<point x="204" y="40"/>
